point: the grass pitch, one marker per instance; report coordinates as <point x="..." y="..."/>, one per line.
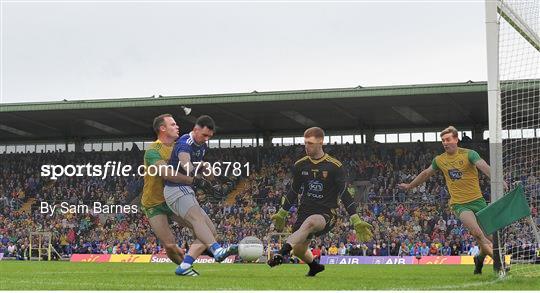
<point x="134" y="276"/>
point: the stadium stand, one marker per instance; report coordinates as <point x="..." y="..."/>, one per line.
<point x="418" y="223"/>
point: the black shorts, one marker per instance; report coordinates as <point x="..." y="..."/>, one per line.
<point x="329" y="216"/>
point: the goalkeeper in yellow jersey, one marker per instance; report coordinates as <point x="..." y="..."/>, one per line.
<point x="460" y="169"/>
<point x="320" y="179"/>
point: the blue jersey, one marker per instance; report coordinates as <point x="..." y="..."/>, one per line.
<point x="186" y="144"/>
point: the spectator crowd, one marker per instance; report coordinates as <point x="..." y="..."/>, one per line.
<point x="418" y="222"/>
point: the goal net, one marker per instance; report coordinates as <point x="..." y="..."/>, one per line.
<point x="514" y="106"/>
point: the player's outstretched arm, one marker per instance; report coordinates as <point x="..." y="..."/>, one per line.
<point x="184" y="159"/>
<point x="483" y="166"/>
<point x="287" y="201"/>
<point x="362" y="228"/>
<point x="421" y="178"/>
<point x="279" y="219"/>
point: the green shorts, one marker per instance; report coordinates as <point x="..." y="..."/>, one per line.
<point x="160" y="209"/>
<point x="473" y="206"/>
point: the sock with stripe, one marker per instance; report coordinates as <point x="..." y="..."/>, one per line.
<point x="187" y="263"/>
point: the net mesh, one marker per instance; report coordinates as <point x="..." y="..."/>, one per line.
<point x="519" y="73"/>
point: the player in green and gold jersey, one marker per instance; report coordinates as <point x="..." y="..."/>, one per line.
<point x="153" y="202"/>
<point x="460" y="169"/>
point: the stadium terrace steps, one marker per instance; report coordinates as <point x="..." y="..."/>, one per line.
<point x="27" y="206"/>
<point x="240" y="187"/>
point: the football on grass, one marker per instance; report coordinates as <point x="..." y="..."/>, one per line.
<point x="250" y="248"/>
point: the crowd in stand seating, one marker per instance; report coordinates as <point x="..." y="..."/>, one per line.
<point x="415" y="223"/>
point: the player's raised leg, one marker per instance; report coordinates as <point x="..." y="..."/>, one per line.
<point x="299" y="241"/>
<point x="182" y="201"/>
<point x="224" y="253"/>
<point x="311" y="225"/>
<point x="202" y="232"/>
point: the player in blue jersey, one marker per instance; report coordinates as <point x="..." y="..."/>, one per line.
<point x="190" y="148"/>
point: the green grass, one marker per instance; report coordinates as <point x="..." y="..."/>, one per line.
<point x="133" y="276"/>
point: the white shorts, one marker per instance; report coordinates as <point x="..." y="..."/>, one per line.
<point x="180" y="199"/>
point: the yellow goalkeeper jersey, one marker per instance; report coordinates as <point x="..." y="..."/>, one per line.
<point x="460" y="174"/>
<point x="153" y="185"/>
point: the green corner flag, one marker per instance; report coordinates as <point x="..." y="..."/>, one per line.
<point x="508" y="209"/>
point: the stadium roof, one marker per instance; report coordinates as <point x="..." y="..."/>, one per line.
<point x="427" y="106"/>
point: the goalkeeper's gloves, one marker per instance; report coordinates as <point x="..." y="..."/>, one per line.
<point x="362" y="229"/>
<point x="279" y="219"/>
